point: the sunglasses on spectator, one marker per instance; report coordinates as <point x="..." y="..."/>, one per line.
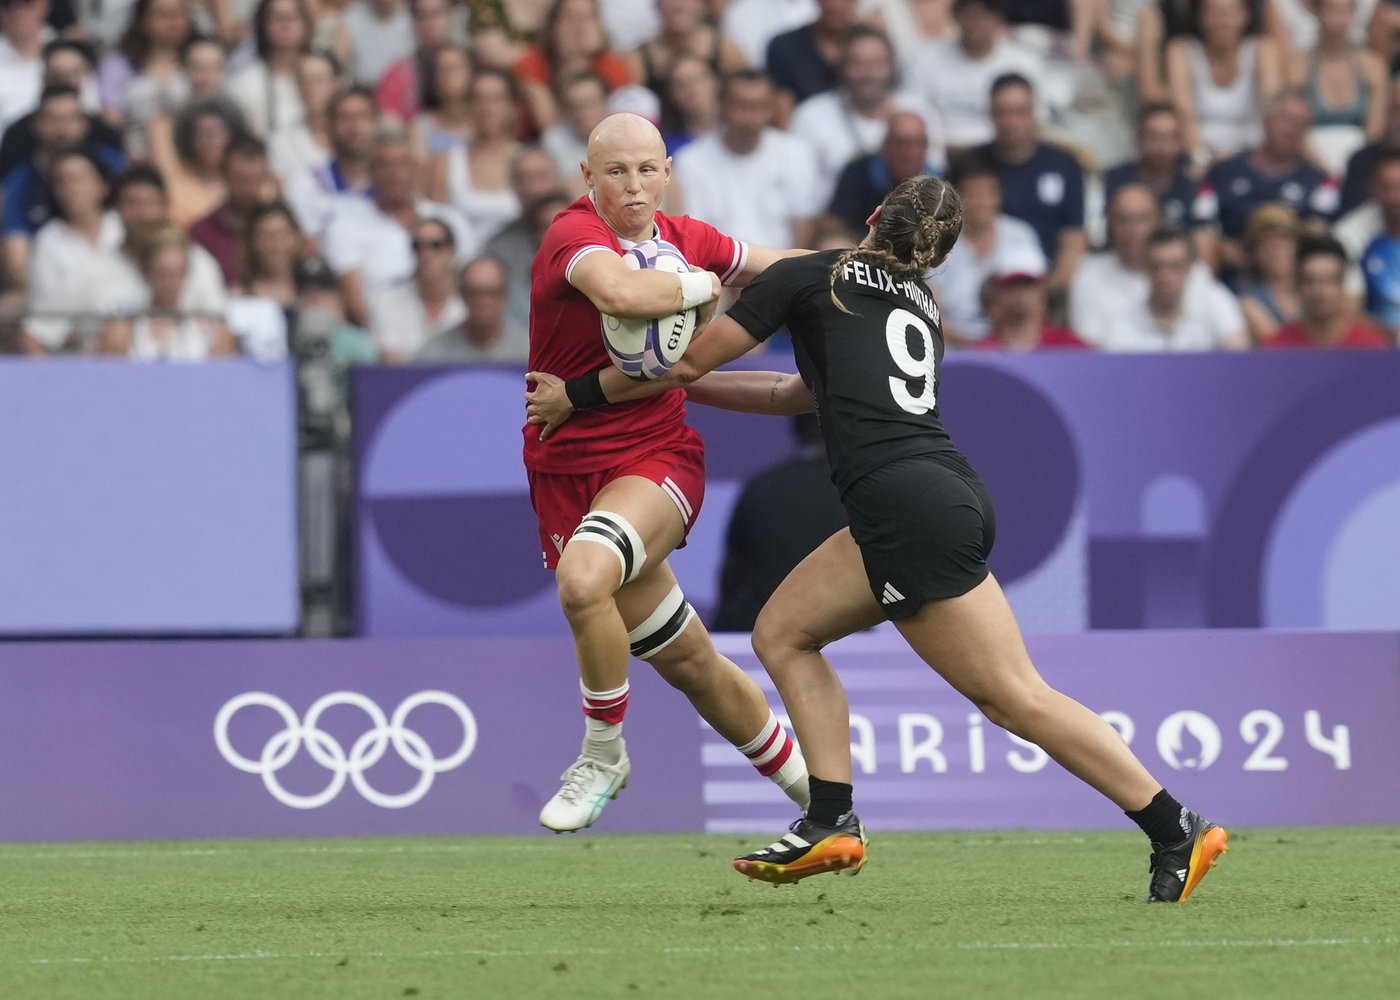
<point x="420" y="245"/>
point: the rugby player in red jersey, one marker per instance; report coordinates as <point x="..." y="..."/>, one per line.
<point x="617" y="488"/>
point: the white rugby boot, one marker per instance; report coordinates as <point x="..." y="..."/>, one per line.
<point x="588" y="786"/>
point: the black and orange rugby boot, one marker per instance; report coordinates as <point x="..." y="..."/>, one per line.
<point x="1178" y="868"/>
<point x="808" y="849"/>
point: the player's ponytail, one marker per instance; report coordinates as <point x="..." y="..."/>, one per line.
<point x="920" y="220"/>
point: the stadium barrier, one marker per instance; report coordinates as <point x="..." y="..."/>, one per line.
<point x="155" y="499"/>
<point x="1202" y="491"/>
<point x="319" y="738"/>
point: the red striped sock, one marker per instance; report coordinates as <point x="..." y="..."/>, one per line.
<point x="605" y="706"/>
<point x="770" y="749"/>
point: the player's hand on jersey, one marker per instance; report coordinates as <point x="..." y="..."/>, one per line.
<point x="548" y="403"/>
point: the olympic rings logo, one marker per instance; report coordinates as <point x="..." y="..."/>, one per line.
<point x="368" y="749"/>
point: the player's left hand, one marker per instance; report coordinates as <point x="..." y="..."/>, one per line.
<point x="548" y="403"/>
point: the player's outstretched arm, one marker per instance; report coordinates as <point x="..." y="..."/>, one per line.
<point x="617" y="290"/>
<point x="759" y="258"/>
<point x="553" y="401"/>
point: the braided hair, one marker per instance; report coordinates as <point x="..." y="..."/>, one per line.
<point x="919" y="222"/>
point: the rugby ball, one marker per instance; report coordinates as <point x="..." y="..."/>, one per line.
<point x="649" y="348"/>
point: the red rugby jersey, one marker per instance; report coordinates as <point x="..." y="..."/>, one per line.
<point x="566" y="338"/>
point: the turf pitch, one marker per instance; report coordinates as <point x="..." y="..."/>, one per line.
<point x="1289" y="913"/>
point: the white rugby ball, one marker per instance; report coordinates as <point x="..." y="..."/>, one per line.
<point x="649" y="348"/>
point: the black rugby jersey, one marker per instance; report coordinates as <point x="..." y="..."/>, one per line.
<point x="873" y="371"/>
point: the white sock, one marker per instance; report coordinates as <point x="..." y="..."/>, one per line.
<point x="602" y="740"/>
<point x="775" y="754"/>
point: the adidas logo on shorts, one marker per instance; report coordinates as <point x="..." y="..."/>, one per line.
<point x="891" y="595"/>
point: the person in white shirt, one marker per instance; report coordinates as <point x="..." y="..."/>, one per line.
<point x="954" y="75"/>
<point x="313" y="192"/>
<point x="748" y="179"/>
<point x="368" y="242"/>
<point x="991" y="243"/>
<point x="295" y="149"/>
<point x="850" y="121"/>
<point x="1377" y="216"/>
<point x="22" y="37"/>
<point x="583" y="103"/>
<point x="72" y="254"/>
<point x="266" y="89"/>
<point x="381" y="34"/>
<point x="1171" y="321"/>
<point x="752" y="24"/>
<point x="1110" y="288"/>
<point x="405" y="315"/>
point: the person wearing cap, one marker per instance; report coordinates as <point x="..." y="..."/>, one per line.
<point x="1269" y="297"/>
<point x="1016" y="300"/>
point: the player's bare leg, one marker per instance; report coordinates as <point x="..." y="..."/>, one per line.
<point x="974" y="642"/>
<point x="723" y="695"/>
<point x="824" y="598"/>
<point x="618" y="563"/>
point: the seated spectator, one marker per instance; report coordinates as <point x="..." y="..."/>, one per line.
<point x="1041" y="184"/>
<point x="74" y="252"/>
<point x="1295" y="25"/>
<point x="146" y="64"/>
<point x="266" y="88"/>
<point x="1171" y="320"/>
<point x="989" y="236"/>
<point x="1015" y="301"/>
<point x="752" y="24"/>
<point x="807" y="59"/>
<point x="866" y="181"/>
<point x="313" y="193"/>
<point x="262" y="311"/>
<point x="685" y="34"/>
<point x="164" y="331"/>
<point x="407" y="314"/>
<point x="306" y="146"/>
<point x="1356" y="186"/>
<point x="249" y="183"/>
<point x="381" y="33"/>
<point x="193" y="162"/>
<point x="1219" y="80"/>
<point x="474" y="177"/>
<point x="59" y="126"/>
<point x="849" y="122"/>
<point x="692" y="92"/>
<point x="487" y="333"/>
<point x="516" y="245"/>
<point x="783" y="513"/>
<point x="1117" y="31"/>
<point x="1374" y="221"/>
<point x="955" y="75"/>
<point x="747" y="178"/>
<point x="445" y="122"/>
<point x="1065" y="27"/>
<point x="572" y="41"/>
<point x="1327" y="318"/>
<point x="1274" y="171"/>
<point x="141" y="202"/>
<point x="1162" y="165"/>
<point x="1344" y="82"/>
<point x="399" y="90"/>
<point x="583" y="103"/>
<point x="368" y="241"/>
<point x="22" y="38"/>
<point x="69" y="63"/>
<point x="1269" y="297"/>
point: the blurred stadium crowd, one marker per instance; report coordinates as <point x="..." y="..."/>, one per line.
<point x="191" y="178"/>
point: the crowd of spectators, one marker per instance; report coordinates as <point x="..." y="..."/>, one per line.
<point x="186" y="179"/>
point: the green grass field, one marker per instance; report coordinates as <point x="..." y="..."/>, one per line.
<point x="1289" y="913"/>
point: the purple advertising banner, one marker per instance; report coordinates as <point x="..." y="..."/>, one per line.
<point x="155" y="499"/>
<point x="359" y="737"/>
<point x="1132" y="492"/>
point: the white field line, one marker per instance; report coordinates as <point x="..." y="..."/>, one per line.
<point x="1035" y="946"/>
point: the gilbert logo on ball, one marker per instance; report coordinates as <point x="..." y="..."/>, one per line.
<point x="648" y="348"/>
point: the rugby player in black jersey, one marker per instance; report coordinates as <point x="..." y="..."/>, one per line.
<point x="869" y="350"/>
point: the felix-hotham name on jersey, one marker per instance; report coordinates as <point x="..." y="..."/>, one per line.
<point x="880" y="280"/>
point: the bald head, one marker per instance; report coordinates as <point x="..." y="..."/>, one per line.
<point x="628" y="171"/>
<point x="624" y="132"/>
<point x="1132" y="215"/>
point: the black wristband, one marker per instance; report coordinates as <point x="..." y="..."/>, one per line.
<point x="586" y="391"/>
